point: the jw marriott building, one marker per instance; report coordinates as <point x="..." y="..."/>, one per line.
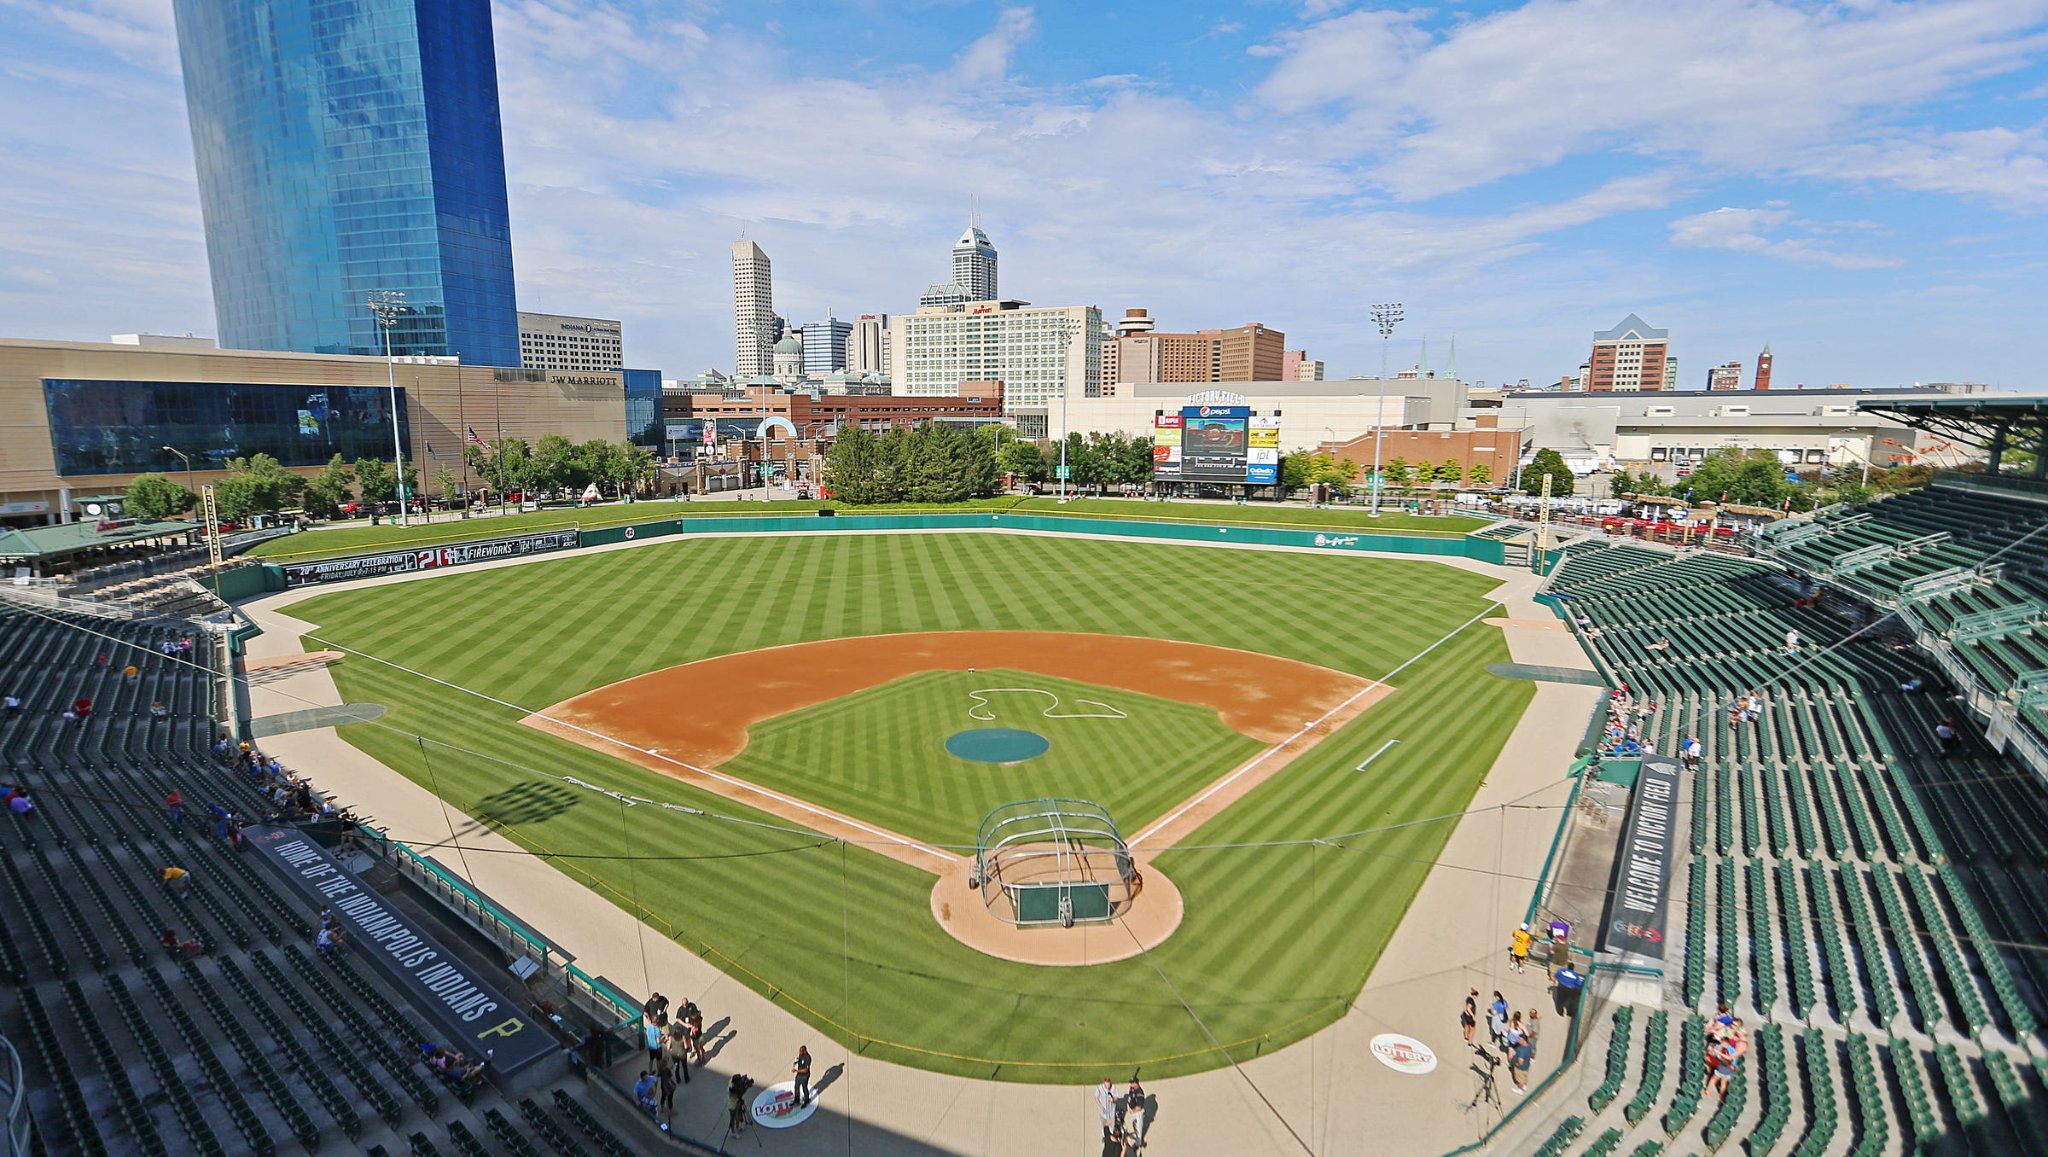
<point x="346" y="146"/>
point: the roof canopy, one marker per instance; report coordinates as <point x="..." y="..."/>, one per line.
<point x="1988" y="421"/>
<point x="50" y="543"/>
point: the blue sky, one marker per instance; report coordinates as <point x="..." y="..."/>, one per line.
<point x="1861" y="184"/>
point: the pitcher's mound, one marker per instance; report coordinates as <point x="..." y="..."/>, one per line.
<point x="963" y="912"/>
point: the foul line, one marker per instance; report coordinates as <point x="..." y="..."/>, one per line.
<point x="1157" y="825"/>
<point x="731" y="781"/>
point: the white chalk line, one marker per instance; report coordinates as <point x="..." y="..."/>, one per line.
<point x="1155" y="826"/>
<point x="985" y="712"/>
<point x="732" y="781"/>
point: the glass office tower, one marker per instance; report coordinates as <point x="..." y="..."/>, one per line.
<point x="346" y="146"/>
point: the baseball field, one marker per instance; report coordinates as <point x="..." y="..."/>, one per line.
<point x="801" y="693"/>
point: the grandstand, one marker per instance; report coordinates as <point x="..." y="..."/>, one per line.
<point x="253" y="1043"/>
<point x="1867" y="899"/>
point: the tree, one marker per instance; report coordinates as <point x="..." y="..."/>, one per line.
<point x="1548" y="463"/>
<point x="153" y="496"/>
<point x="447" y="483"/>
<point x="376" y="481"/>
<point x="1023" y="461"/>
<point x="636" y="465"/>
<point x="256" y="485"/>
<point x="1449" y="472"/>
<point x="1750" y="477"/>
<point x="1398" y="474"/>
<point x="853" y="467"/>
<point x="329" y="489"/>
<point x="555" y="464"/>
<point x="1481" y="475"/>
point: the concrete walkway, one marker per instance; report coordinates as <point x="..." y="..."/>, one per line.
<point x="1323" y="1095"/>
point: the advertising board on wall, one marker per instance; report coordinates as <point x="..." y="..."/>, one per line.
<point x="334" y="570"/>
<point x="1216" y="441"/>
<point x="1166" y="432"/>
<point x="1635" y="919"/>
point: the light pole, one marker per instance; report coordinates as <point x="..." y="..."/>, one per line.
<point x="191" y="481"/>
<point x="1386" y="316"/>
<point x="1069" y="330"/>
<point x="388" y="305"/>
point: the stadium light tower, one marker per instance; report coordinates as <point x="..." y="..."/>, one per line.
<point x="1386" y="316"/>
<point x="1070" y="329"/>
<point x="389" y="305"/>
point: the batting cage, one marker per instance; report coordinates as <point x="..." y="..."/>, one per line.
<point x="1053" y="861"/>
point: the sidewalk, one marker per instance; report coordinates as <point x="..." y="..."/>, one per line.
<point x="1327" y="1092"/>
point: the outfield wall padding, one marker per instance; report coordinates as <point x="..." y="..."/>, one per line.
<point x="272" y="575"/>
<point x="1462" y="546"/>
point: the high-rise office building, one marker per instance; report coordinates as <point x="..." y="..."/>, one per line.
<point x="1630" y="356"/>
<point x="1763" y="369"/>
<point x="825" y="345"/>
<point x="1297" y="366"/>
<point x="553" y="341"/>
<point x="974" y="265"/>
<point x="1141" y="353"/>
<point x="867" y="347"/>
<point x="347" y="147"/>
<point x="1036" y="352"/>
<point x="753" y="311"/>
<point x="1726" y="376"/>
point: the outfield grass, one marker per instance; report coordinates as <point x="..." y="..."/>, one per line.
<point x="362" y="538"/>
<point x="880" y="755"/>
<point x="1277" y="940"/>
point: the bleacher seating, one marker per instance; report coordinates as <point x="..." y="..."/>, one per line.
<point x="1850" y="881"/>
<point x="248" y="1046"/>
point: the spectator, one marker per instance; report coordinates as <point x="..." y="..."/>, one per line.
<point x="82" y="707"/>
<point x="1945" y="733"/>
<point x="644" y="1092"/>
<point x="158" y="711"/>
<point x="1911" y="685"/>
<point x="652" y="1032"/>
<point x="175" y="946"/>
<point x="12" y="703"/>
<point x="1520" y="1057"/>
<point x="19" y="803"/>
<point x="1518" y="948"/>
<point x="174" y="804"/>
<point x="676" y="1048"/>
<point x="1468" y="1017"/>
<point x="131" y="675"/>
<point x="1531" y="1027"/>
<point x="1569" y="984"/>
<point x="1560" y="948"/>
<point x="1497" y="1017"/>
<point x="668" y="1091"/>
<point x="328" y="940"/>
<point x="693" y="1018"/>
<point x="177" y="881"/>
<point x="1662" y="644"/>
<point x="1792" y="642"/>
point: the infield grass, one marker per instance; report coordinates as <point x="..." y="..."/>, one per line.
<point x="1277" y="939"/>
<point x="880" y="754"/>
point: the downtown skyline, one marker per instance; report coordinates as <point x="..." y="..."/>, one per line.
<point x="1858" y="185"/>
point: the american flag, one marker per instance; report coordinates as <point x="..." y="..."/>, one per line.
<point x="476" y="441"/>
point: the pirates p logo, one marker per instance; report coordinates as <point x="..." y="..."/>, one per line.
<point x="511" y="1027"/>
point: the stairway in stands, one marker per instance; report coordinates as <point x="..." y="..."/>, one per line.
<point x="255" y="1045"/>
<point x="1870" y="906"/>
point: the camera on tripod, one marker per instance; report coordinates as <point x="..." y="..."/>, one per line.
<point x="739" y="1084"/>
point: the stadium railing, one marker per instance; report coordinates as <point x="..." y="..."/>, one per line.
<point x="592" y="996"/>
<point x="14" y="1095"/>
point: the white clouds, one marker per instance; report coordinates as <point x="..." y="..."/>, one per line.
<point x="1751" y="230"/>
<point x="987" y="60"/>
<point x="1746" y="84"/>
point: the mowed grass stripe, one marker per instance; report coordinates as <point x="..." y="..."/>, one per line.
<point x="1240" y="954"/>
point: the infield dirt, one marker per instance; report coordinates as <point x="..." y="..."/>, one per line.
<point x="686" y="720"/>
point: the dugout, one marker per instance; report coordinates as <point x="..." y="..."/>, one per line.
<point x="1046" y="862"/>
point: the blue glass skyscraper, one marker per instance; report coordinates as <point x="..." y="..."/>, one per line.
<point x="346" y="146"/>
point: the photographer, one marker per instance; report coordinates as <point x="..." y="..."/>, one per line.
<point x="736" y="1101"/>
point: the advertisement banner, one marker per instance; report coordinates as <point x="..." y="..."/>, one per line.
<point x="471" y="1012"/>
<point x="1213" y="443"/>
<point x="1166" y="447"/>
<point x="1635" y="911"/>
<point x="334" y="570"/>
